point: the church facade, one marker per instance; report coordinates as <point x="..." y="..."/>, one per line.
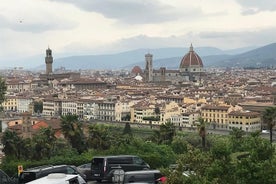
<point x="190" y="70"/>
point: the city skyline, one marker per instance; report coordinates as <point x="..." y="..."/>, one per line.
<point x="28" y="27"/>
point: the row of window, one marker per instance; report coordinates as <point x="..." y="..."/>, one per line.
<point x="248" y="123"/>
<point x="214" y="115"/>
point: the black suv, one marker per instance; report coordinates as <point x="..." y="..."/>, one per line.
<point x="103" y="167"/>
<point x="38" y="172"/>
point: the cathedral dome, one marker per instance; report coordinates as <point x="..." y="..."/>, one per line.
<point x="191" y="59"/>
<point x="136" y="70"/>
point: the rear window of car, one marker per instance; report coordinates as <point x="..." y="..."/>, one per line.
<point x="26" y="177"/>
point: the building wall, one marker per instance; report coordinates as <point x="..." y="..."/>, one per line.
<point x="248" y="121"/>
<point x="216" y="116"/>
<point x="10" y="104"/>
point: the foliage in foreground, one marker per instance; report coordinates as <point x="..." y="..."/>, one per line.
<point x="254" y="163"/>
<point x="236" y="158"/>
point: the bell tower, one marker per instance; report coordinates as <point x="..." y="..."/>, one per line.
<point x="148" y="68"/>
<point x="49" y="61"/>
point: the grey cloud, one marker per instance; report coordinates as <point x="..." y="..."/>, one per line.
<point x="35" y="26"/>
<point x="215" y="39"/>
<point x="251" y="37"/>
<point x="144" y="41"/>
<point x="255" y="6"/>
<point x="128" y="11"/>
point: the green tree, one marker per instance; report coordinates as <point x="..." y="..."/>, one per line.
<point x="72" y="130"/>
<point x="99" y="137"/>
<point x="167" y="132"/>
<point x="157" y="110"/>
<point x="237" y="139"/>
<point x="38" y="107"/>
<point x="179" y="145"/>
<point x="202" y="131"/>
<point x="3" y="89"/>
<point x="127" y="129"/>
<point x="44" y="143"/>
<point x="12" y="144"/>
<point x="269" y="118"/>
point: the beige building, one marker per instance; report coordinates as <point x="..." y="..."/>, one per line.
<point x="245" y="120"/>
<point x="217" y="116"/>
<point x="188" y="119"/>
<point x="10" y="104"/>
<point x="168" y="110"/>
<point x="147" y="113"/>
<point x="142" y="112"/>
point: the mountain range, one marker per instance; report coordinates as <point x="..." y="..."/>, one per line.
<point x="170" y="58"/>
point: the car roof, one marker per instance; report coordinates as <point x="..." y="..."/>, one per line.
<point x="54" y="178"/>
<point x="115" y="156"/>
<point x="142" y="172"/>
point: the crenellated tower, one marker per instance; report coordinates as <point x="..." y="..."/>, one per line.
<point x="49" y="61"/>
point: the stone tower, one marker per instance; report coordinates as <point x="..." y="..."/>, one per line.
<point x="148" y="69"/>
<point x="49" y="61"/>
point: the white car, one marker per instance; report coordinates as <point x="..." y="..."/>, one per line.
<point x="59" y="178"/>
<point x="265" y="131"/>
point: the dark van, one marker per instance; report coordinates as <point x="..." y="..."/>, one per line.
<point x="103" y="167"/>
<point x="39" y="172"/>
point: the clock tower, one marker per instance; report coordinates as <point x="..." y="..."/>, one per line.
<point x="49" y="61"/>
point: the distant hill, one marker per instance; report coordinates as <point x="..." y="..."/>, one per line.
<point x="167" y="57"/>
<point x="260" y="57"/>
<point x="263" y="56"/>
<point x="162" y="57"/>
<point x="126" y="59"/>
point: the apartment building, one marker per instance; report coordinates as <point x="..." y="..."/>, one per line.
<point x="147" y="113"/>
<point x="10" y="104"/>
<point x="143" y="113"/>
<point x="51" y="107"/>
<point x="169" y="109"/>
<point x="216" y="116"/>
<point x="69" y="106"/>
<point x="23" y="104"/>
<point x="185" y="120"/>
<point x="16" y="85"/>
<point x="107" y="110"/>
<point x="80" y="105"/>
<point x="245" y="120"/>
<point x="90" y="109"/>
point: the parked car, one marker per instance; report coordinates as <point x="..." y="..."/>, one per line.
<point x="59" y="178"/>
<point x="103" y="167"/>
<point x="86" y="170"/>
<point x="146" y="176"/>
<point x="5" y="179"/>
<point x="39" y="172"/>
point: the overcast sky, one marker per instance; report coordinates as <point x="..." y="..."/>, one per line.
<point x="70" y="27"/>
